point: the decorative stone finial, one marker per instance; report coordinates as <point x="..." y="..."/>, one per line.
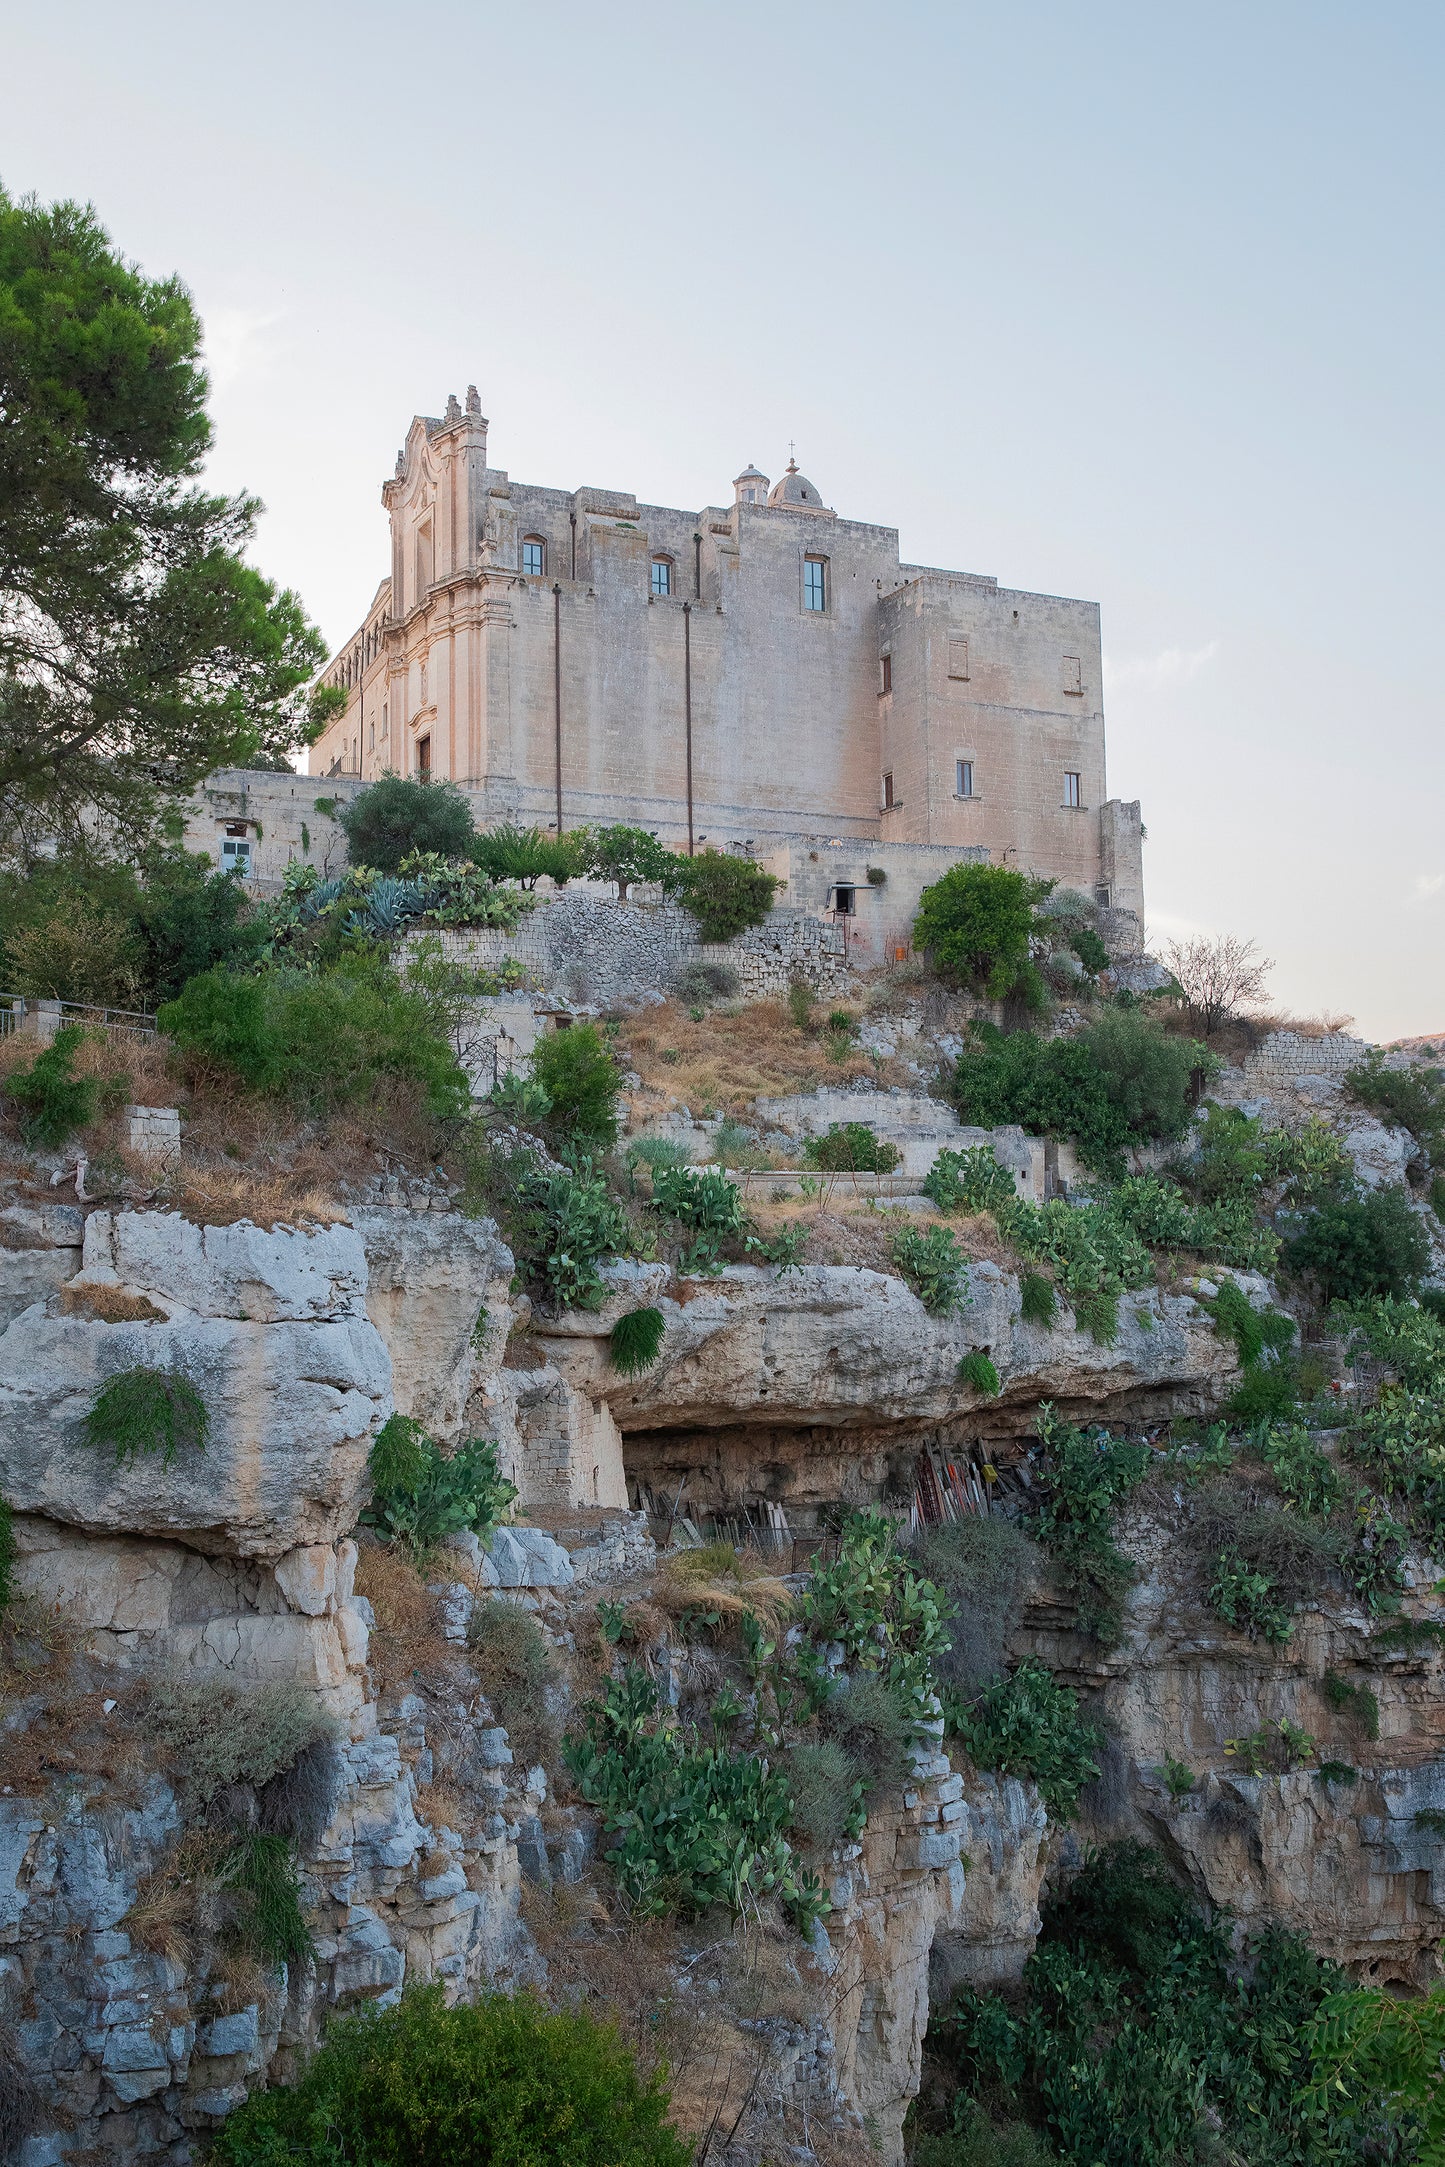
<point x="474" y="404"/>
<point x="400" y="464"/>
<point x="454" y="412"/>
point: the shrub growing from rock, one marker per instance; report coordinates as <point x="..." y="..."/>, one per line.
<point x="143" y="1411"/>
<point x="934" y="1266"/>
<point x="635" y="1341"/>
<point x="510" y="1654"/>
<point x="526" y="855"/>
<point x="1353" y="1247"/>
<point x="501" y="2082"/>
<point x="220" y="1733"/>
<point x="1029" y="1725"/>
<point x="419" y="1493"/>
<point x="580" y="1079"/>
<point x="52" y="1099"/>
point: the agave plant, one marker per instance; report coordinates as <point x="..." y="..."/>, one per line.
<point x="388" y="907"/>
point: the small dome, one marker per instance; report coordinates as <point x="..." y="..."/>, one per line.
<point x="796" y="491"/>
<point x="751" y="474"/>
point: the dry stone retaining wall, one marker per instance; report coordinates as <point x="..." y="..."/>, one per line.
<point x="595" y="950"/>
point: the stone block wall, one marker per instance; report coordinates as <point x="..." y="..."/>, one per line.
<point x="1287" y="1054"/>
<point x="597" y="952"/>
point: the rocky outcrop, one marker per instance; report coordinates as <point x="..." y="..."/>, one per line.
<point x="271" y="1329"/>
<point x="438" y="1292"/>
<point x="826" y="1364"/>
<point x="1347" y="1864"/>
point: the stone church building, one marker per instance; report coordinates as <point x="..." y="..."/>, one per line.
<point x="762" y="674"/>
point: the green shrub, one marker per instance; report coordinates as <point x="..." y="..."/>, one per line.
<point x="399" y="814"/>
<point x="1410" y="1098"/>
<point x="511" y="1658"/>
<point x="1252" y="1330"/>
<point x="700" y="982"/>
<point x="52" y="1099"/>
<point x="975" y="925"/>
<point x="635" y="1341"/>
<point x="509" y="852"/>
<point x="1148" y="1076"/>
<point x="1356" y="1702"/>
<point x="850" y="1148"/>
<point x="220" y="1732"/>
<point x="501" y="2082"/>
<point x="321" y="1043"/>
<point x="1353" y="1247"/>
<point x="1161" y="1215"/>
<point x="1038" y="1303"/>
<point x="628" y="855"/>
<point x="826" y="1789"/>
<point x="984" y="1569"/>
<point x="418" y="1494"/>
<point x="969" y="1180"/>
<point x="1089" y="1474"/>
<point x="1097" y="1313"/>
<point x="1245" y="1597"/>
<point x="1051" y="1087"/>
<point x="582" y="1084"/>
<point x="977" y="1371"/>
<point x="934" y="1266"/>
<point x="192" y="920"/>
<point x="141" y="1411"/>
<point x="7" y="1557"/>
<point x="725" y="894"/>
<point x="801" y="1002"/>
<point x="1029" y="1725"/>
<point x="1090" y="950"/>
<point x="1265" y="1395"/>
<point x="978" y="2140"/>
<point x="1407" y="1335"/>
<point x="1140" y="2036"/>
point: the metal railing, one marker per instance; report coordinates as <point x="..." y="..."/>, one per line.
<point x="42" y="1019"/>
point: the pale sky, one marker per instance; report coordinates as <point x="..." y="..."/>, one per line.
<point x="1142" y="304"/>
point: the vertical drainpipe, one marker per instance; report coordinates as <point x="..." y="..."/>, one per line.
<point x="687" y="709"/>
<point x="557" y="691"/>
<point x="573" y="517"/>
<point x="697" y="568"/>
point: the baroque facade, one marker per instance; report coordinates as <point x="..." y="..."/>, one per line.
<point x="754" y="675"/>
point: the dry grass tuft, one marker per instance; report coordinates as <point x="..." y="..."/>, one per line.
<point x="735" y="1054"/>
<point x="718" y="1578"/>
<point x="110" y="1305"/>
<point x="408" y="1648"/>
<point x="214" y="1196"/>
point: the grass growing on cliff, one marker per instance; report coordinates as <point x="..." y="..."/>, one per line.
<point x="144" y="1411"/>
<point x="7" y="1557"/>
<point x="635" y="1341"/>
<point x="509" y="1653"/>
<point x="1138" y="2036"/>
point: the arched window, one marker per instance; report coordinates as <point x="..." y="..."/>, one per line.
<point x="534" y="555"/>
<point x="662" y="575"/>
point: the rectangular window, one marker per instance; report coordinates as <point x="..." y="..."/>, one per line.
<point x="236" y="855"/>
<point x="888" y="793"/>
<point x="1073" y="674"/>
<point x="815" y="583"/>
<point x="1071" y="790"/>
<point x="888" y="673"/>
<point x="843" y="901"/>
<point x="423" y="758"/>
<point x="661" y="576"/>
<point x="958" y="658"/>
<point x="533" y="558"/>
<point x="963" y="778"/>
